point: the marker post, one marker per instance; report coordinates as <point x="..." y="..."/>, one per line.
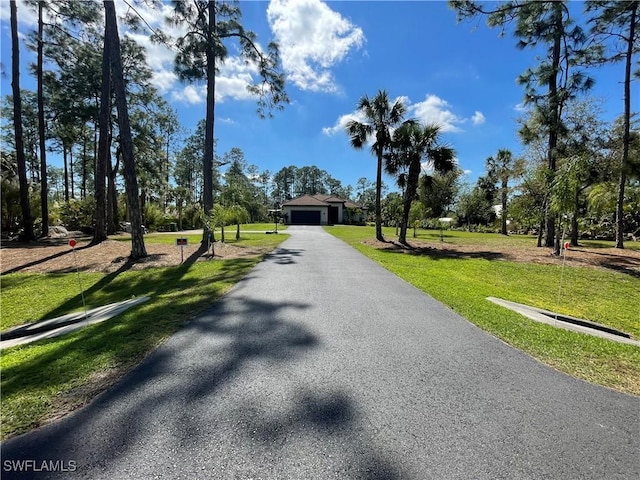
<point x="72" y="244"/>
<point x="181" y="242"/>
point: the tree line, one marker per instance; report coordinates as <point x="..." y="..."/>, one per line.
<point x="115" y="125"/>
<point x="576" y="169"/>
<point x="573" y="158"/>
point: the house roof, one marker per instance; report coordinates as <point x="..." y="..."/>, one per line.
<point x="328" y="198"/>
<point x="320" y="196"/>
<point x="350" y="204"/>
<point x="319" y="200"/>
<point x="305" y="201"/>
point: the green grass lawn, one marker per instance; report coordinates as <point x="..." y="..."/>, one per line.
<point x="471" y="238"/>
<point x="42" y="379"/>
<point x="268" y="226"/>
<point x="607" y="297"/>
<point x="246" y="239"/>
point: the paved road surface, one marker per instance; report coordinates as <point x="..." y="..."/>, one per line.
<point x="320" y="364"/>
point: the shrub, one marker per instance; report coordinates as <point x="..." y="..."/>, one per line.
<point x="78" y="214"/>
<point x="153" y="216"/>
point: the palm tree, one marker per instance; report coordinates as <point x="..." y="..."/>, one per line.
<point x="381" y="117"/>
<point x="414" y="145"/>
<point x="237" y="214"/>
<point x="504" y="167"/>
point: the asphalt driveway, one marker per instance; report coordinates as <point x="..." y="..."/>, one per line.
<point x="320" y="364"/>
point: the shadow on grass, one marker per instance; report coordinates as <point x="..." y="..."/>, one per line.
<point x="41" y="260"/>
<point x="439" y="254"/>
<point x="144" y="283"/>
<point x="195" y="393"/>
<point x="431" y="236"/>
<point x="619" y="263"/>
<point x="596" y="243"/>
<point x="120" y="342"/>
<point x="46" y="242"/>
<point x="632" y="269"/>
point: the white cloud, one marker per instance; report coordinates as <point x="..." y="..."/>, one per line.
<point x="432" y="110"/>
<point x="191" y="94"/>
<point x="427" y="166"/>
<point x="435" y="110"/>
<point x="520" y="107"/>
<point x="467" y="172"/>
<point x="27" y="15"/>
<point x="158" y="55"/>
<point x="478" y="118"/>
<point x="164" y="80"/>
<point x="312" y="38"/>
<point x="357" y="115"/>
<point x="233" y="78"/>
<point x="231" y="83"/>
<point x="341" y="123"/>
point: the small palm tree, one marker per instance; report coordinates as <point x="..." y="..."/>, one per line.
<point x="237" y="214"/>
<point x="381" y="117"/>
<point x="412" y="146"/>
<point x="504" y="167"/>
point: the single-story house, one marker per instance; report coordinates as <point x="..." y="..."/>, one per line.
<point x="321" y="210"/>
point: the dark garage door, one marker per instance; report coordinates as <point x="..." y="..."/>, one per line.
<point x="307" y="217"/>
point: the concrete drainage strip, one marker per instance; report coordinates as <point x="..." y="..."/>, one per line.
<point x="32" y="332"/>
<point x="566" y="322"/>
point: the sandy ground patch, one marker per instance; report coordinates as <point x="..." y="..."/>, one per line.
<point x="55" y="256"/>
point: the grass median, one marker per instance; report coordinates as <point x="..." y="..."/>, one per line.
<point x="49" y="378"/>
<point x="463" y="283"/>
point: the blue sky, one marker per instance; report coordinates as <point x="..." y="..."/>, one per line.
<point x="461" y="75"/>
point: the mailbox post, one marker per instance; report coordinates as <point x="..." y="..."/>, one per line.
<point x="181" y="242"/>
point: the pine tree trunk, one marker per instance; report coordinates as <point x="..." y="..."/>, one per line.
<point x="207" y="163"/>
<point x="165" y="202"/>
<point x="503" y="197"/>
<point x="627" y="121"/>
<point x="574" y="219"/>
<point x="72" y="187"/>
<point x="83" y="188"/>
<point x="540" y="233"/>
<point x="555" y="116"/>
<point x="27" y="221"/>
<point x="44" y="186"/>
<point x="143" y="206"/>
<point x="112" y="200"/>
<point x="100" y="230"/>
<point x="131" y="185"/>
<point x="66" y="171"/>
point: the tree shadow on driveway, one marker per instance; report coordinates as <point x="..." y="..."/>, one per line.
<point x="284" y="256"/>
<point x="194" y="394"/>
<point x="328" y="422"/>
